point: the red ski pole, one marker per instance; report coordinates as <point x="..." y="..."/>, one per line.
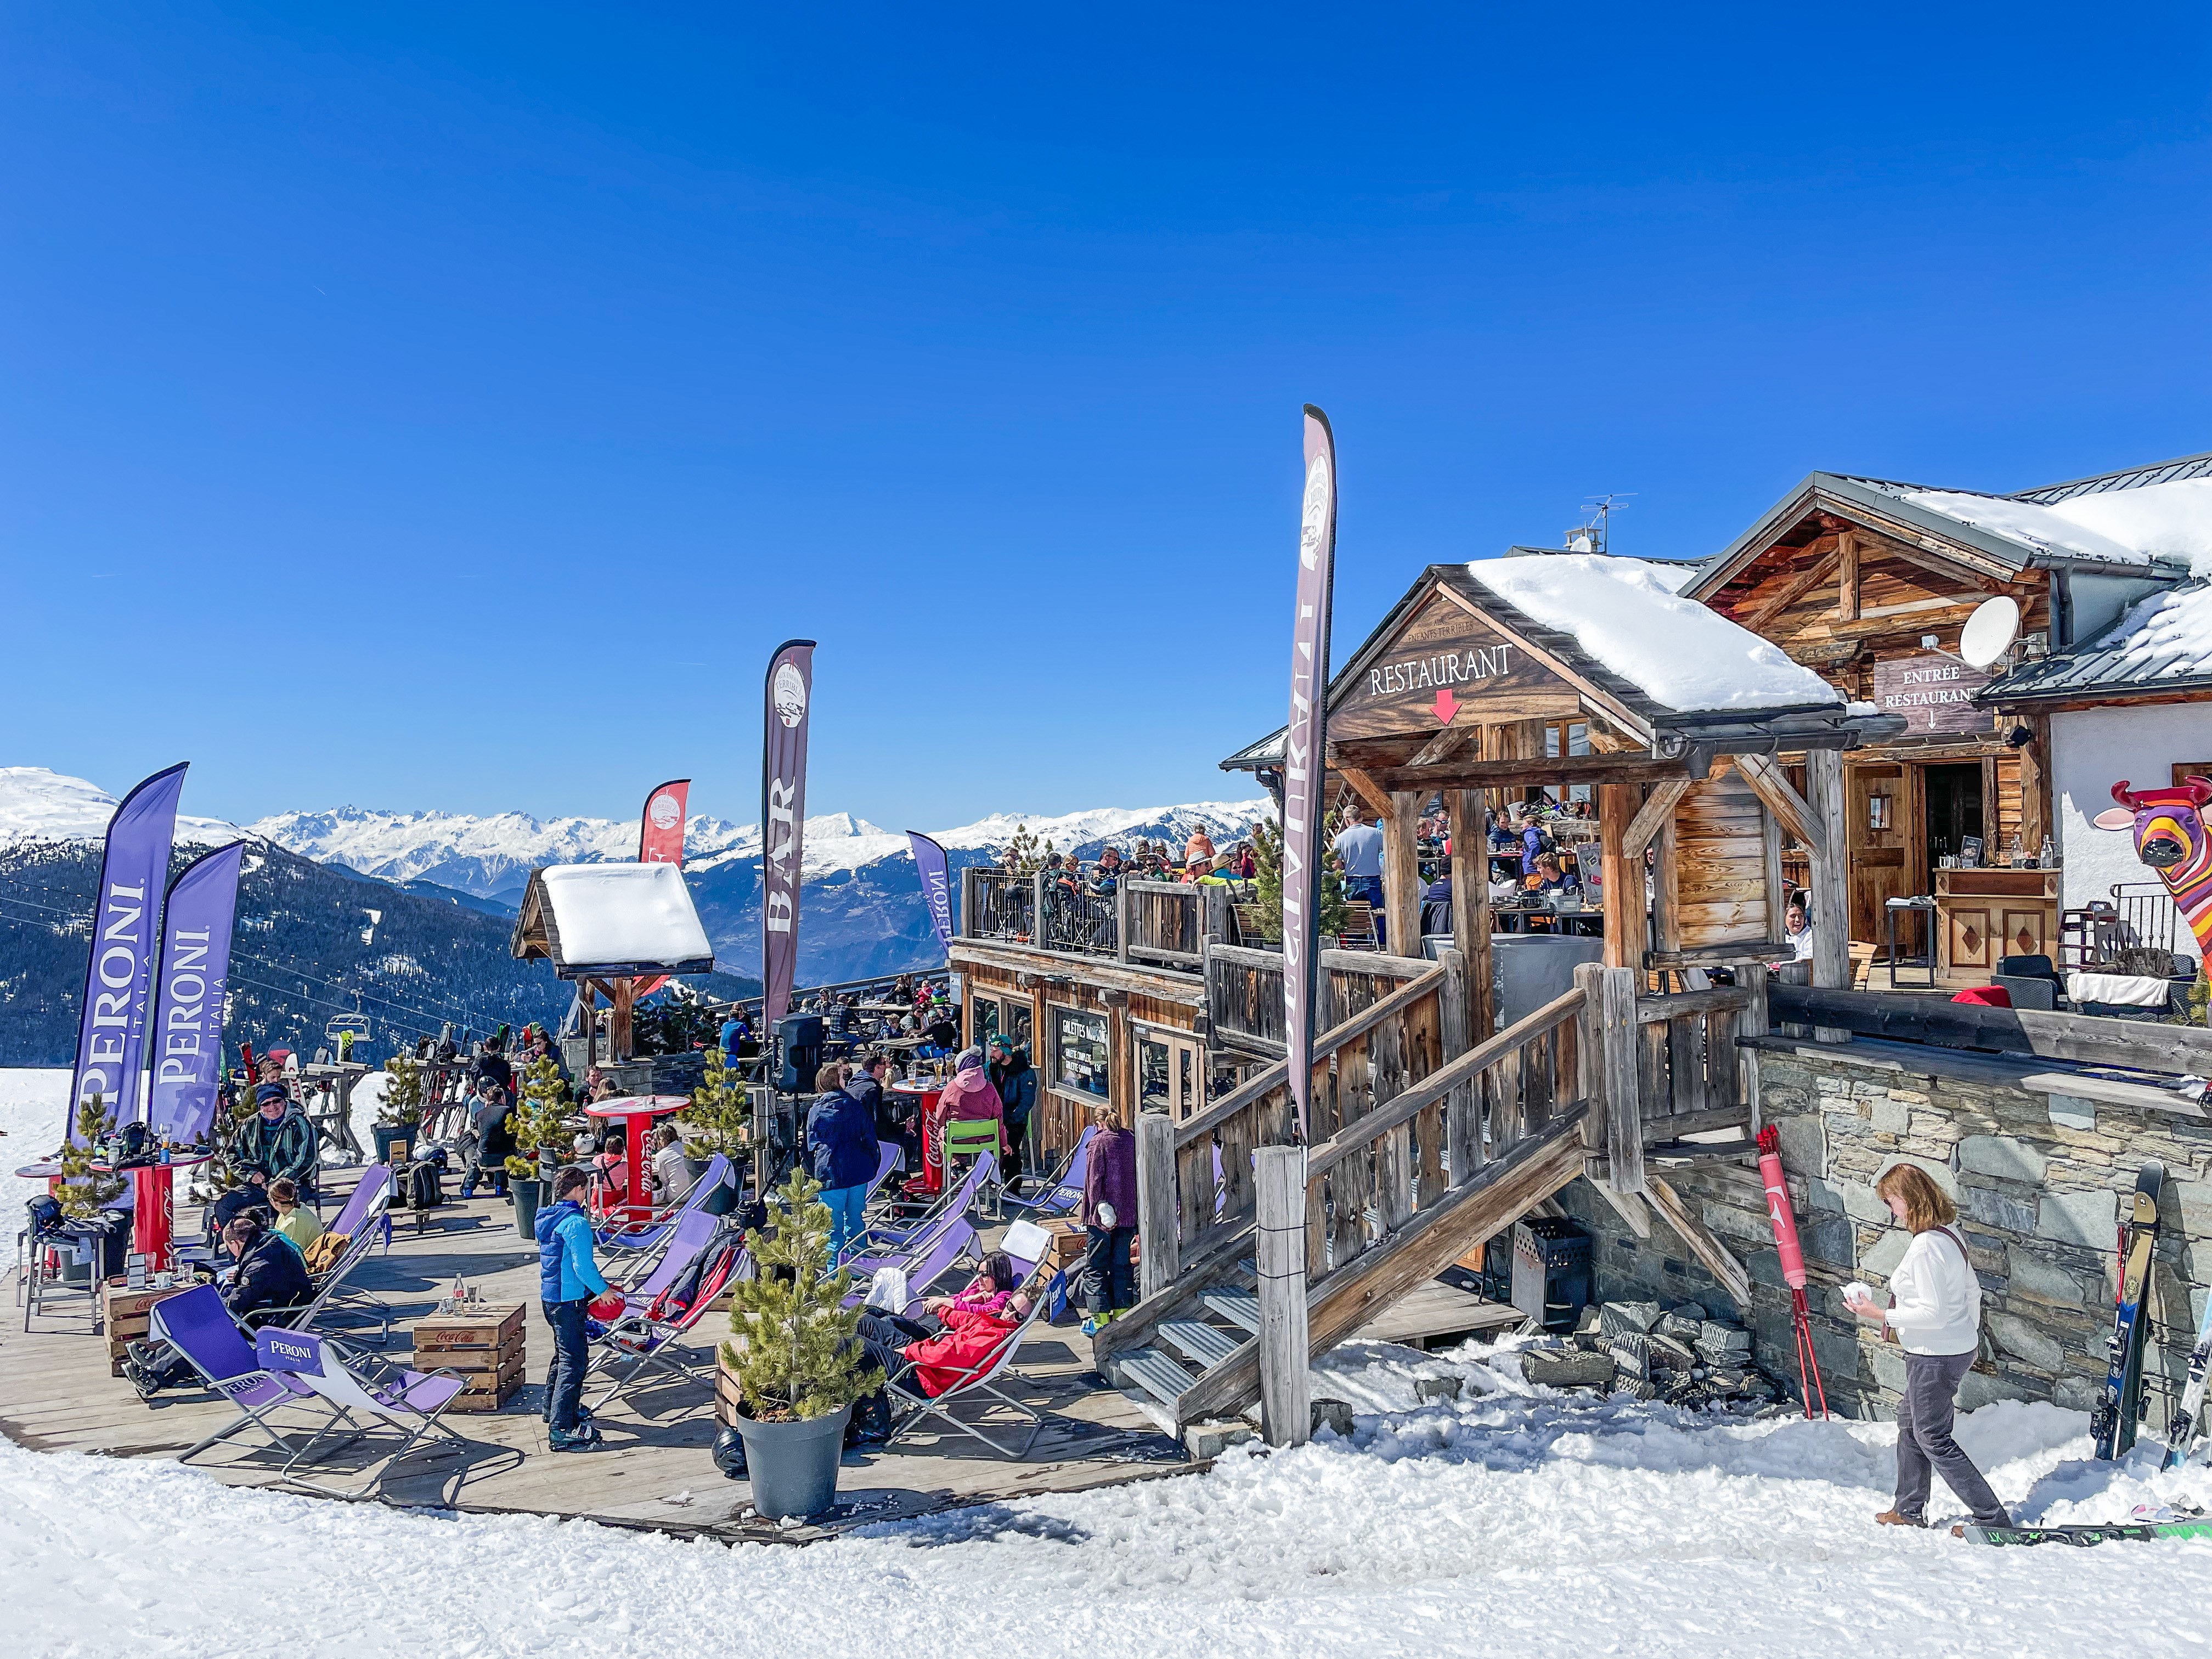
<point x="1793" y="1265"/>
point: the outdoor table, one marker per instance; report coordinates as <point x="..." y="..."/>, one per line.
<point x="637" y="1113"/>
<point x="923" y="1097"/>
<point x="153" y="1203"/>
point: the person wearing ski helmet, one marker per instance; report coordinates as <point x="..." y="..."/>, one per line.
<point x="1935" y="1313"/>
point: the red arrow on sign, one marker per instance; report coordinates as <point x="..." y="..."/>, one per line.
<point x="1445" y="707"/>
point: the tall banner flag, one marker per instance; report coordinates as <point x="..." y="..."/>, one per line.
<point x="111" y="1040"/>
<point x="936" y="885"/>
<point x="660" y="830"/>
<point x="187" y="1029"/>
<point x="1305" y="750"/>
<point x="783" y="820"/>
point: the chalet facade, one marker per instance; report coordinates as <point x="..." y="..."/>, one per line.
<point x="1867" y="582"/>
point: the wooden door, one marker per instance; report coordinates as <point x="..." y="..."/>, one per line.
<point x="1878" y="817"/>
<point x="1171" y="1074"/>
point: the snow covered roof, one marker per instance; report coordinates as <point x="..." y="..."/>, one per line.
<point x="1627" y="619"/>
<point x="2160" y="645"/>
<point x="612" y="919"/>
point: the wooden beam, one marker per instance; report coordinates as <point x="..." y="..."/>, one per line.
<point x="1156" y="1202"/>
<point x="1847" y="582"/>
<point x="1907" y="1017"/>
<point x="1629" y="1206"/>
<point x="1772" y="784"/>
<point x="1511" y="774"/>
<point x="1617" y="805"/>
<point x="1831" y="892"/>
<point x="1658" y="807"/>
<point x="1401" y="870"/>
<point x="1608" y="1056"/>
<point x="2035" y="805"/>
<point x="1470" y="866"/>
<point x="1940" y="565"/>
<point x="1367" y="789"/>
<point x="1285" y="1416"/>
<point x="1449" y="741"/>
<point x="1791" y="591"/>
<point x="1703" y="1245"/>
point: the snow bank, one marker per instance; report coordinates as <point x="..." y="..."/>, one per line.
<point x="1528" y="1524"/>
<point x="32" y="1104"/>
<point x="1682" y="654"/>
<point x="614" y="914"/>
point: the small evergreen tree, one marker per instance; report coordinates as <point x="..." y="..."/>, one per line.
<point x="83" y="1189"/>
<point x="1025" y="855"/>
<point x="1268" y="883"/>
<point x="798" y="1353"/>
<point x="722" y="1111"/>
<point x="540" y="1120"/>
<point x="401" y="1107"/>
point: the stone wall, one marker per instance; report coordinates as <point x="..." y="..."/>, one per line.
<point x="2040" y="1181"/>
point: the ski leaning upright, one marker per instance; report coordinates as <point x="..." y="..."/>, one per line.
<point x="2183" y="1429"/>
<point x="2113" y="1423"/>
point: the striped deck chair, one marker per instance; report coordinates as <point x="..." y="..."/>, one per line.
<point x="936" y="1259"/>
<point x="197" y="1326"/>
<point x="644" y="1340"/>
<point x="717" y="1174"/>
<point x="880" y="1238"/>
<point x="1064" y="1192"/>
<point x="912" y="1407"/>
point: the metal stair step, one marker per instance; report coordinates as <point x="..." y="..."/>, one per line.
<point x="1156" y="1373"/>
<point x="1238" y="1307"/>
<point x="1201" y="1341"/>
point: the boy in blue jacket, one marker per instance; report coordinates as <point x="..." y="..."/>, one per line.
<point x="568" y="1279"/>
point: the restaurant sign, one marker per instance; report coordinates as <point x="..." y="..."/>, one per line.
<point x="1934" y="691"/>
<point x="1440" y="662"/>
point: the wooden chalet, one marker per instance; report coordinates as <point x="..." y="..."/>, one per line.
<point x="1867" y="582"/>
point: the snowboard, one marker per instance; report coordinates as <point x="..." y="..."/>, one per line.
<point x="2183" y="1428"/>
<point x="2112" y="1424"/>
<point x="2139" y="1531"/>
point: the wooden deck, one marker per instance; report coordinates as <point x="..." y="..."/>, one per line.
<point x="1434" y="1311"/>
<point x="656" y="1472"/>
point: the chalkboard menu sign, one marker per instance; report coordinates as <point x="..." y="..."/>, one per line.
<point x="1934" y="691"/>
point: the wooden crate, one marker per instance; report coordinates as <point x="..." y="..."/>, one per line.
<point x="1070" y="1241"/>
<point x="498" y="1325"/>
<point x="726" y="1398"/>
<point x="126" y="1317"/>
<point x="488" y="1390"/>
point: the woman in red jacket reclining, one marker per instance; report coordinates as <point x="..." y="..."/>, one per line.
<point x="949" y="1343"/>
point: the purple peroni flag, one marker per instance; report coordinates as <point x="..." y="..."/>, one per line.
<point x="125" y="922"/>
<point x="936" y="884"/>
<point x="186" y="1038"/>
<point x="789" y="692"/>
<point x="1305" y="746"/>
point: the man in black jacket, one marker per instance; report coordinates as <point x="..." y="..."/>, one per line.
<point x="493" y="1069"/>
<point x="269" y="1277"/>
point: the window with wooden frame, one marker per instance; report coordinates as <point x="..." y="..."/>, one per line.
<point x="1080" y="1059"/>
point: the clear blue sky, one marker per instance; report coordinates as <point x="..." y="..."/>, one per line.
<point x="451" y="407"/>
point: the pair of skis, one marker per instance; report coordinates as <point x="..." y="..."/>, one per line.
<point x="2112" y="1425"/>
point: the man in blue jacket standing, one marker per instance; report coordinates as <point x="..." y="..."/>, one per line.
<point x="840" y="1154"/>
<point x="568" y="1279"/>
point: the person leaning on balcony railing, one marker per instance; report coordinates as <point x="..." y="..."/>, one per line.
<point x="1106" y="874"/>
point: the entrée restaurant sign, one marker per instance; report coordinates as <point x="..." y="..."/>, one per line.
<point x="1933" y="691"/>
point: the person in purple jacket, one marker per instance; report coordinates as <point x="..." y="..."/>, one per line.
<point x="1110" y="1213"/>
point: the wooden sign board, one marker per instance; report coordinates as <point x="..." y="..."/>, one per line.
<point x="1446" y="665"/>
<point x="1933" y="691"/>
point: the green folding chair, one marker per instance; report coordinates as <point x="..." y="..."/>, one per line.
<point x="970" y="1138"/>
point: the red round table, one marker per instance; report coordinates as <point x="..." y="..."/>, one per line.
<point x="637" y="1113"/>
<point x="153" y="1203"/>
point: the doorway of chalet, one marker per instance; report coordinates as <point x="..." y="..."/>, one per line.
<point x="1953" y="810"/>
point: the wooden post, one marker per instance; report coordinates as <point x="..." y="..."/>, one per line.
<point x="1665" y="889"/>
<point x="1156" y="1202"/>
<point x="1215" y="924"/>
<point x="1608" y="1051"/>
<point x="1752" y="975"/>
<point x="1617" y="804"/>
<point x="2035" y="815"/>
<point x="1402" y="873"/>
<point x="1285" y="1410"/>
<point x="1832" y="896"/>
<point x="971" y="909"/>
<point x="620" y="1047"/>
<point x="1121" y="1058"/>
<point x="1847" y="582"/>
<point x="590" y="1022"/>
<point x="1125" y="910"/>
<point x="1470" y="879"/>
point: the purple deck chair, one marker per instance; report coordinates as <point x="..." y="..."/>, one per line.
<point x="921" y="1270"/>
<point x="686" y="1239"/>
<point x="1064" y="1192"/>
<point x="198" y="1327"/>
<point x="411" y="1404"/>
<point x="716" y="1175"/>
<point x="881" y="1240"/>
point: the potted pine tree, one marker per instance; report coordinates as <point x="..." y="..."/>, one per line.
<point x="795" y="1357"/>
<point x="399" y="1112"/>
<point x="540" y="1121"/>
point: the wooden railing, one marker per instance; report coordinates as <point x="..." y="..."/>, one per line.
<point x="1690" y="1073"/>
<point x="996" y="905"/>
<point x="1244" y="991"/>
<point x="1163" y="922"/>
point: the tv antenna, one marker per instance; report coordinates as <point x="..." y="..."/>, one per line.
<point x="1590" y="535"/>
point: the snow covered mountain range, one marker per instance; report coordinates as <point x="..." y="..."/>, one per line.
<point x="861" y="911"/>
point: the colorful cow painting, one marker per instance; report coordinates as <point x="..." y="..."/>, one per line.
<point x="2173" y="838"/>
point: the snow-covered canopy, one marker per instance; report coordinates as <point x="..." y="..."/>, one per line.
<point x="1678" y="653"/>
<point x="2170" y="521"/>
<point x="615" y="916"/>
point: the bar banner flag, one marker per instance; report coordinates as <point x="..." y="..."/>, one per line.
<point x="789" y="692"/>
<point x="188" y="999"/>
<point x="111" y="1039"/>
<point x="1305" y="749"/>
<point x="936" y="885"/>
<point x="660" y="828"/>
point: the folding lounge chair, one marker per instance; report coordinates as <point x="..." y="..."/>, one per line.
<point x="879" y="1237"/>
<point x="333" y="1293"/>
<point x="1064" y="1192"/>
<point x="410" y="1405"/>
<point x="912" y="1407"/>
<point x="686" y="1239"/>
<point x="643" y="1339"/>
<point x="197" y="1326"/>
<point x="715" y="1175"/>
<point x="922" y="1269"/>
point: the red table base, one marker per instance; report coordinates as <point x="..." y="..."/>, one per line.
<point x="153" y="1217"/>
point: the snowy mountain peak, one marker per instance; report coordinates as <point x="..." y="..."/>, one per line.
<point x="37" y="804"/>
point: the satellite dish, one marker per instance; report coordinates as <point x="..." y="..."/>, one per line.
<point x="1989" y="632"/>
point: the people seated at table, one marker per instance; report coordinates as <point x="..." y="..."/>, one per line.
<point x="1548" y="877"/>
<point x="294" y="1219"/>
<point x="277" y="1141"/>
<point x="1436" y="905"/>
<point x="1797" y="924"/>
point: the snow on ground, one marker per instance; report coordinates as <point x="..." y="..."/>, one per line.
<point x="32" y="1107"/>
<point x="1515" y="1523"/>
<point x="1683" y="655"/>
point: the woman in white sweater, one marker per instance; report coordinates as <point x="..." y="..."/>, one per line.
<point x="1937" y="1313"/>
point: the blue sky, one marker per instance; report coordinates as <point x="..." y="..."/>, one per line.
<point x="451" y="407"/>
